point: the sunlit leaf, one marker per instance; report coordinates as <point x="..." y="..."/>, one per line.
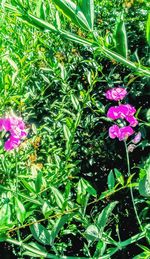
<point x="103" y="218"/>
<point x="20" y="210"/>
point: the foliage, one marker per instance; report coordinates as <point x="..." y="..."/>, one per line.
<point x="64" y="190"/>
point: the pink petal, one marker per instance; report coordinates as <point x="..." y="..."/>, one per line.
<point x="113" y="113"/>
<point x="137" y="138"/>
<point x="132" y="120"/>
<point x="11" y="143"/>
<point x="125" y="132"/>
<point x="114" y="131"/>
<point x="116" y="94"/>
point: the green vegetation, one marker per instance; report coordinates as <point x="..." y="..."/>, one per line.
<point x="69" y="190"/>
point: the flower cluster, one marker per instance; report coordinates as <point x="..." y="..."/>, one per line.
<point x="116" y="94"/>
<point x="121" y="112"/>
<point x="16" y="128"/>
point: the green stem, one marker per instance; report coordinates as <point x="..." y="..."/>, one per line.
<point x="17" y="171"/>
<point x="131" y="190"/>
<point x="113" y="55"/>
<point x="132" y="240"/>
<point x="23" y="14"/>
<point x="41" y="253"/>
<point x="52" y="256"/>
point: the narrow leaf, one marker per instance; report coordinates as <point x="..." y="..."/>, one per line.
<point x="73" y="12"/>
<point x="75" y="102"/>
<point x="120" y="38"/>
<point x="111" y="180"/>
<point x="58" y="225"/>
<point x="58" y="197"/>
<point x="67" y="132"/>
<point x="87" y="7"/>
<point x="20" y="210"/>
<point x="119" y="176"/>
<point x="144" y="187"/>
<point x="148" y="29"/>
<point x="102" y="219"/>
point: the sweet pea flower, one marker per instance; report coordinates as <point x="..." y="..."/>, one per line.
<point x="125" y="132"/>
<point x="120" y="133"/>
<point x="16" y="127"/>
<point x="113" y="113"/>
<point x="12" y="143"/>
<point x="114" y="131"/>
<point x="137" y="138"/>
<point x="132" y="120"/>
<point x="123" y="111"/>
<point x="116" y="93"/>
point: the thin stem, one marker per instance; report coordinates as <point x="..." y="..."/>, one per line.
<point x="131" y="190"/>
<point x="36" y="251"/>
<point x="17" y="171"/>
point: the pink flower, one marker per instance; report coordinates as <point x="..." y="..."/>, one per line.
<point x="16" y="127"/>
<point x="125" y="132"/>
<point x="116" y="94"/>
<point x="120" y="133"/>
<point x="113" y="113"/>
<point x="132" y="120"/>
<point x="137" y="138"/>
<point x="114" y="131"/>
<point x="123" y="111"/>
<point x="128" y="109"/>
<point x="11" y="143"/>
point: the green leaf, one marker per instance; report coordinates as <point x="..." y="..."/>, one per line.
<point x="38" y="182"/>
<point x="3" y="237"/>
<point x="143" y="255"/>
<point x="38" y="247"/>
<point x="5" y="217"/>
<point x="100" y="249"/>
<point x="106" y="194"/>
<point x="41" y="234"/>
<point x="92" y="233"/>
<point x="73" y="12"/>
<point x="87" y="7"/>
<point x="39" y="22"/>
<point x="31" y="254"/>
<point x="148" y="29"/>
<point x="148" y="115"/>
<point x="20" y="210"/>
<point x="27" y="198"/>
<point x="119" y="176"/>
<point x="144" y="187"/>
<point x="130" y="178"/>
<point x="67" y="132"/>
<point x="102" y="219"/>
<point x="28" y="186"/>
<point x="120" y="38"/>
<point x="58" y="197"/>
<point x="58" y="225"/>
<point x="75" y="102"/>
<point x="146" y="249"/>
<point x="46" y="209"/>
<point x="111" y="180"/>
<point x="82" y="189"/>
<point x="12" y="63"/>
